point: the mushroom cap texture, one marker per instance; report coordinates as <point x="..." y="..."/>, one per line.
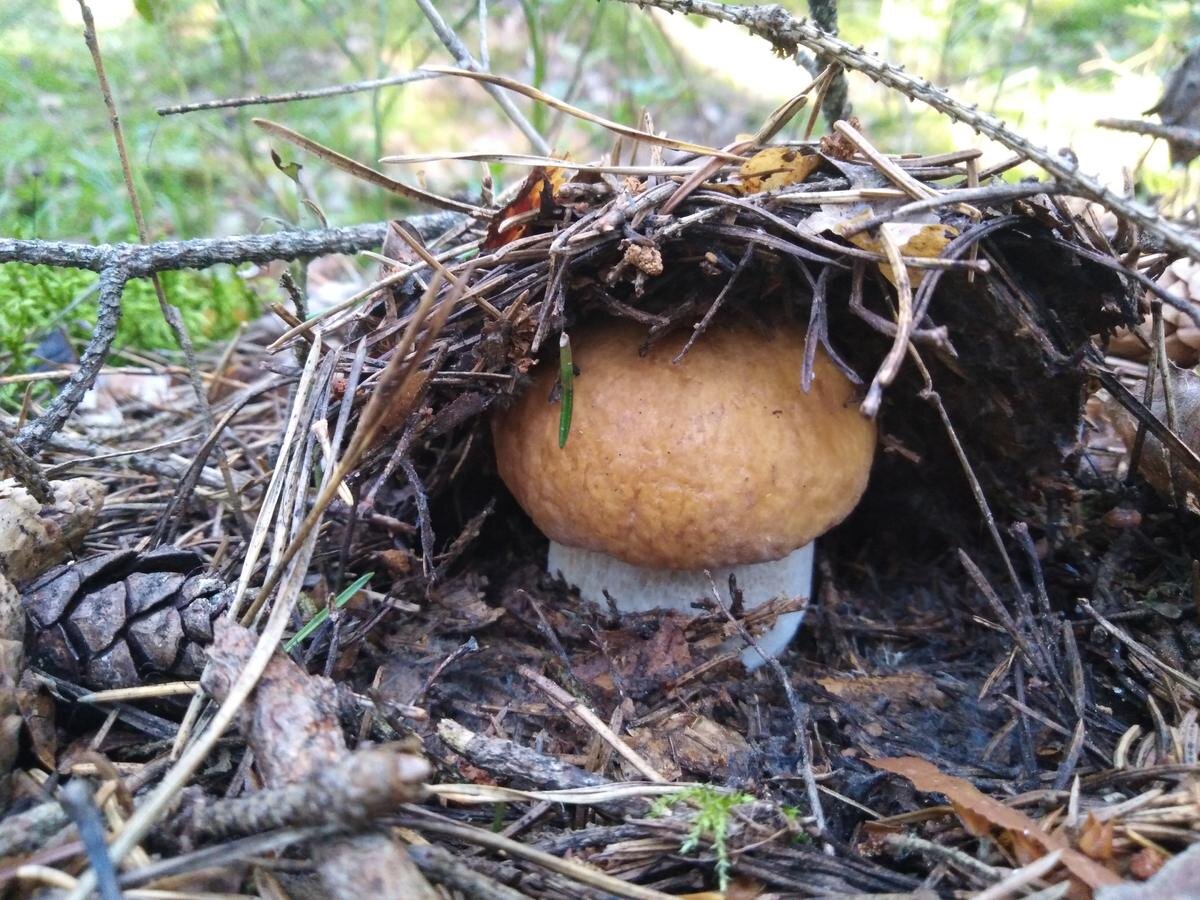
<point x="720" y="460"/>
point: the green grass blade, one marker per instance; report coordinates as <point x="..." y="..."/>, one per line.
<point x="338" y="602"/>
<point x="566" y="374"/>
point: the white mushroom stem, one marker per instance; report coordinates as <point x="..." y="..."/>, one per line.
<point x="640" y="589"/>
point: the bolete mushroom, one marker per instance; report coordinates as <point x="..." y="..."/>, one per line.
<point x="672" y="472"/>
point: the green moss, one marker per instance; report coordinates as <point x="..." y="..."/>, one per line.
<point x="36" y="299"/>
<point x="713" y="811"/>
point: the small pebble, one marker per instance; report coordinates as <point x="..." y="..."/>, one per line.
<point x="1121" y="517"/>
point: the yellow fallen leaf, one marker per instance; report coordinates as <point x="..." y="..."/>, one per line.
<point x="777" y="167"/>
<point x="921" y="241"/>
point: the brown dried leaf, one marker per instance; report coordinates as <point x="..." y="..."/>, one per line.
<point x="530" y="197"/>
<point x="645" y="654"/>
<point x="977" y="824"/>
<point x="777" y="167"/>
<point x="903" y="687"/>
<point x="966" y="797"/>
<point x="1096" y="838"/>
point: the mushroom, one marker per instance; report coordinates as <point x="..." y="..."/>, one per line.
<point x="673" y="472"/>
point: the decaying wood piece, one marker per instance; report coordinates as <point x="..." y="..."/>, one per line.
<point x="510" y="760"/>
<point x="447" y="869"/>
<point x="12" y="662"/>
<point x="291" y="726"/>
<point x="355" y="790"/>
<point x="35" y="536"/>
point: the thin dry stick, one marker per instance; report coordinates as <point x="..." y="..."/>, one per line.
<point x="894" y="173"/>
<point x="262" y="526"/>
<point x="438" y="266"/>
<point x="1140" y="650"/>
<point x="699" y="328"/>
<point x="555" y="103"/>
<point x="584" y="874"/>
<point x="904" y="323"/>
<point x="1013" y="884"/>
<point x="392" y="383"/>
<point x="365" y="173"/>
<point x="583" y="796"/>
<point x="1176" y="134"/>
<point x="1164" y="371"/>
<point x="996" y="193"/>
<point x="775" y="122"/>
<point x="270" y="498"/>
<point x="169" y="312"/>
<point x="800" y="718"/>
<point x="394" y="278"/>
<point x="314" y="93"/>
<point x="985" y="510"/>
<point x="529" y="159"/>
<point x="142" y="692"/>
<point x="575" y="708"/>
<point x="463" y="57"/>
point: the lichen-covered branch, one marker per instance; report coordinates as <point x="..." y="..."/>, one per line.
<point x="836" y="104"/>
<point x="140" y="260"/>
<point x="32" y="438"/>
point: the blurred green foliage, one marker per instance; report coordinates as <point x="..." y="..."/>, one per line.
<point x="1049" y="66"/>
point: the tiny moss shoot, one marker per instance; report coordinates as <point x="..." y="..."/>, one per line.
<point x="713" y="811"/>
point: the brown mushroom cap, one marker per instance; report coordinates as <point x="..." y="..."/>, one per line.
<point x="720" y="460"/>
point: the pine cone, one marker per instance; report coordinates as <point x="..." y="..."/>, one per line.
<point x="1182" y="277"/>
<point x="118" y="619"/>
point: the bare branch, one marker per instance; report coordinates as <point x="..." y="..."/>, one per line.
<point x="465" y="60"/>
<point x="786" y="33"/>
<point x="1176" y="134"/>
<point x="313" y="94"/>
